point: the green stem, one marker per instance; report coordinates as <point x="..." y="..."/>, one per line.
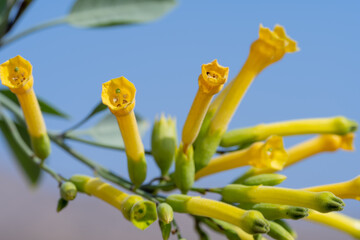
<point x="177" y="229"/>
<point x="28" y="31"/>
<point x="93" y="143"/>
<point x="103" y="172"/>
<point x="10" y="124"/>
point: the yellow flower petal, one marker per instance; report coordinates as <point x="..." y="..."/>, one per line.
<point x="213" y="77"/>
<point x="16" y="74"/>
<point x="119" y="95"/>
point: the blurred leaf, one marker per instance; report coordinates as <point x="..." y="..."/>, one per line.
<point x="100" y="107"/>
<point x="29" y="168"/>
<point x="62" y="203"/>
<point x="107" y="132"/>
<point x="44" y="106"/>
<point x="96" y="13"/>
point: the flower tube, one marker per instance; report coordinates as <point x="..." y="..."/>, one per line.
<point x="211" y="80"/>
<point x="336" y="125"/>
<point x="250" y="221"/>
<point x="337" y="221"/>
<point x="270" y="154"/>
<point x="277" y="211"/>
<point x="306" y="149"/>
<point x="322" y="201"/>
<point x="269" y="48"/>
<point x="349" y="189"/>
<point x="16" y="74"/>
<point x="119" y="95"/>
<point x="140" y="212"/>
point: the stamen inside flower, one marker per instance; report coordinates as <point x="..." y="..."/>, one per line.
<point x="213" y="77"/>
<point x="120" y="98"/>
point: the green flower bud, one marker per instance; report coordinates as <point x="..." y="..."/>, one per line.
<point x="184" y="169"/>
<point x="269" y="179"/>
<point x="143" y="214"/>
<point x="276" y="211"/>
<point x="164" y="142"/>
<point x="68" y="191"/>
<point x="278" y="232"/>
<point x="165" y="213"/>
<point x="128" y="203"/>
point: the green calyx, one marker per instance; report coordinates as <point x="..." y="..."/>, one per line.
<point x="184" y="169"/>
<point x="205" y="148"/>
<point x="68" y="191"/>
<point x="80" y="181"/>
<point x="268" y="179"/>
<point x="143" y="214"/>
<point x="165" y="213"/>
<point x="328" y="202"/>
<point x="137" y="170"/>
<point x="278" y="232"/>
<point x="254" y="222"/>
<point x="164" y="143"/>
<point x="344" y="125"/>
<point x="178" y="202"/>
<point x="41" y="146"/>
<point x="239" y="137"/>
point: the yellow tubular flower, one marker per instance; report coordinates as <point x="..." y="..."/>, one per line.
<point x="335" y="125"/>
<point x="211" y="80"/>
<point x="348" y="189"/>
<point x="270" y="154"/>
<point x="337" y="221"/>
<point x="16" y="74"/>
<point x="119" y="95"/>
<point x="269" y="48"/>
<point x="322" y="201"/>
<point x="134" y="208"/>
<point x="316" y="145"/>
<point x="250" y="221"/>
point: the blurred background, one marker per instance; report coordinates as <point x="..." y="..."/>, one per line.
<point x="163" y="59"/>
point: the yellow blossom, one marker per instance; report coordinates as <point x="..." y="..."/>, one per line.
<point x="337" y="221"/>
<point x="269" y="155"/>
<point x="134" y="208"/>
<point x="119" y="95"/>
<point x="269" y="48"/>
<point x="211" y="80"/>
<point x="250" y="221"/>
<point x="335" y="125"/>
<point x="306" y="149"/>
<point x="16" y="74"/>
<point x="348" y="189"/>
<point x="321" y="201"/>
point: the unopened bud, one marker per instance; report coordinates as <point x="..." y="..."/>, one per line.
<point x="270" y="179"/>
<point x="68" y="191"/>
<point x="165" y="213"/>
<point x="164" y="142"/>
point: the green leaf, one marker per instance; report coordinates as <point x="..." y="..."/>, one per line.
<point x="96" y="13"/>
<point x="44" y="106"/>
<point x="106" y="131"/>
<point x="62" y="203"/>
<point x="29" y="168"/>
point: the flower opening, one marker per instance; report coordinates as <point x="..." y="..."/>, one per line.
<point x="213" y="76"/>
<point x="119" y="95"/>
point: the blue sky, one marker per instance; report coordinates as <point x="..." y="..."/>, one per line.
<point x="164" y="59"/>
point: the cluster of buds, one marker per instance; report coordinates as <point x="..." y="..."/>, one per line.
<point x="252" y="205"/>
